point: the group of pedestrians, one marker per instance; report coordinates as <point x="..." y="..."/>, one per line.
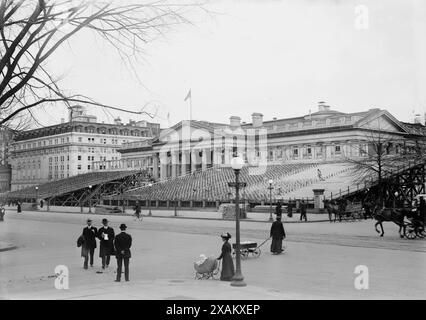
<point x="277" y="234"/>
<point x="109" y="245"/>
<point x="302" y="207"/>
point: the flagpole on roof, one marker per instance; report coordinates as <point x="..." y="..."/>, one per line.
<point x="189" y="96"/>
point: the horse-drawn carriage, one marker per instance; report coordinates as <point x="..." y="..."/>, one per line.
<point x="410" y="222"/>
<point x="342" y="210"/>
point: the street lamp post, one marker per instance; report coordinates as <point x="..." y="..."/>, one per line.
<point x="237" y="164"/>
<point x="270" y="188"/>
<point x="90" y="199"/>
<point x="149" y="199"/>
<point x="36" y="197"/>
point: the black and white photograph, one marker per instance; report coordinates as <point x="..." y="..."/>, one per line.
<point x="206" y="150"/>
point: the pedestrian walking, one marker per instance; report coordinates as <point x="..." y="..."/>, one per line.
<point x="106" y="246"/>
<point x="138" y="211"/>
<point x="41" y="203"/>
<point x="279" y="210"/>
<point x="303" y="211"/>
<point x="19" y="207"/>
<point x="2" y="212"/>
<point x="122" y="244"/>
<point x="89" y="234"/>
<point x="290" y="209"/>
<point x="228" y="270"/>
<point x="277" y="234"/>
<point x="320" y="177"/>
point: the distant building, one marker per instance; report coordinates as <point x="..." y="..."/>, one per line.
<point x="70" y="148"/>
<point x="322" y="136"/>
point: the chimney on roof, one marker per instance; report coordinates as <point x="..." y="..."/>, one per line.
<point x="257" y="119"/>
<point x="322" y="106"/>
<point x="117" y="121"/>
<point x="235" y="122"/>
<point x="62" y="120"/>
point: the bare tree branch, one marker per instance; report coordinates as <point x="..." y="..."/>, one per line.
<point x="32" y="31"/>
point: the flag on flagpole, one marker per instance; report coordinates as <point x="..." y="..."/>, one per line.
<point x="188" y="96"/>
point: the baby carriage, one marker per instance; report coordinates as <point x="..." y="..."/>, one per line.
<point x="206" y="268"/>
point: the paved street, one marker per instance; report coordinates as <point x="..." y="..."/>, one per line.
<point x="319" y="260"/>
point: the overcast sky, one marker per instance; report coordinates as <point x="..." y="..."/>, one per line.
<point x="270" y="56"/>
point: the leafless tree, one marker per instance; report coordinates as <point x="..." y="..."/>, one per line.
<point x="32" y="31"/>
<point x="386" y="154"/>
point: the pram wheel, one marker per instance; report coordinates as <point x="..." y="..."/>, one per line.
<point x="257" y="252"/>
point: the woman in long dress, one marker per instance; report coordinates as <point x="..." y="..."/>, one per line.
<point x="277" y="234"/>
<point x="228" y="270"/>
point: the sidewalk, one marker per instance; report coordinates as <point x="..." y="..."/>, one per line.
<point x="162" y="289"/>
<point x="207" y="215"/>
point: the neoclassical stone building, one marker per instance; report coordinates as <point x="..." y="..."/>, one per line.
<point x="325" y="135"/>
<point x="70" y="148"/>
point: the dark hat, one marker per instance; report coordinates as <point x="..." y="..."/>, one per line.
<point x="104" y="220"/>
<point x="226" y="235"/>
<point x="123" y="226"/>
<point x="89" y="220"/>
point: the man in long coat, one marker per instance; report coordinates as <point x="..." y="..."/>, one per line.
<point x="89" y="234"/>
<point x="278" y="234"/>
<point x="303" y="211"/>
<point x="122" y="243"/>
<point x="106" y="248"/>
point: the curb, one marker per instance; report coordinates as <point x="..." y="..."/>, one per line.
<point x="181" y="217"/>
<point x="7" y="247"/>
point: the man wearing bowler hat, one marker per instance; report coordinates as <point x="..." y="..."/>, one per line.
<point x="122" y="243"/>
<point x="89" y="234"/>
<point x="106" y="247"/>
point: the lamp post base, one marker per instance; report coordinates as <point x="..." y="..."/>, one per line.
<point x="238" y="281"/>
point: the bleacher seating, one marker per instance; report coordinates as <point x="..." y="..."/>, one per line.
<point x="71" y="184"/>
<point x="212" y="184"/>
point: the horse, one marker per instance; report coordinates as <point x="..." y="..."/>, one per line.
<point x="333" y="208"/>
<point x="395" y="215"/>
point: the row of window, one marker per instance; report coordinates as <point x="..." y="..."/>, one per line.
<point x="44" y="143"/>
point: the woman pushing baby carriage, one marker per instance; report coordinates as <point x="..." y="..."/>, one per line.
<point x="208" y="267"/>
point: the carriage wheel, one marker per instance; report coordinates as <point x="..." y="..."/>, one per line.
<point x="410" y="232"/>
<point x="198" y="276"/>
<point x="421" y="232"/>
<point x="257" y="252"/>
<point x="244" y="254"/>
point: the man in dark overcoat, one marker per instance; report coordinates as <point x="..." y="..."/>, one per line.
<point x="89" y="234"/>
<point x="106" y="245"/>
<point x="303" y="208"/>
<point x="122" y="244"/>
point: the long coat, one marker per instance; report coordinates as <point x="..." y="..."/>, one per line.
<point x="122" y="244"/>
<point x="81" y="242"/>
<point x="106" y="247"/>
<point x="278" y="210"/>
<point x="90" y="235"/>
<point x="278" y="234"/>
<point x="228" y="270"/>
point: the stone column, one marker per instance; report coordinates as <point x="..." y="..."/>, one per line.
<point x="155" y="166"/>
<point x="163" y="163"/>
<point x="193" y="160"/>
<point x="205" y="158"/>
<point x="217" y="156"/>
<point x="184" y="162"/>
<point x="175" y="163"/>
